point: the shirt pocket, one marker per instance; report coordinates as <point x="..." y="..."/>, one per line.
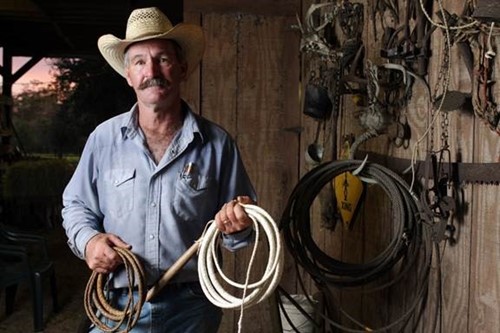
<point x="194" y="197"/>
<point x="119" y="191"/>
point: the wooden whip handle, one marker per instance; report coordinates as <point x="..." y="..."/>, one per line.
<point x="186" y="256"/>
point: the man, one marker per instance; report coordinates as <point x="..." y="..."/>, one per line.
<point x="150" y="179"/>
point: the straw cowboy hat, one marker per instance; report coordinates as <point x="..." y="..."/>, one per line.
<point x="151" y="23"/>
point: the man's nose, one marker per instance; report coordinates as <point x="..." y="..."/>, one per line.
<point x="152" y="68"/>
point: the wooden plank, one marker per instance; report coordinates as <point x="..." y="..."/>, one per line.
<point x="485" y="242"/>
<point x="222" y="70"/>
<point x="219" y="102"/>
<point x="455" y="263"/>
<point x="312" y="129"/>
<point x="219" y="83"/>
<point x="485" y="274"/>
<point x="376" y="208"/>
<point x="327" y="239"/>
<point x="191" y="87"/>
<point x="256" y="7"/>
<point x="268" y="73"/>
<point x="353" y="240"/>
<point x="450" y="303"/>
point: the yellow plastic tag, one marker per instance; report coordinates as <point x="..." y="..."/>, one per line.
<point x="348" y="191"/>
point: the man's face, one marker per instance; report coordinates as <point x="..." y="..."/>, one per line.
<point x="154" y="71"/>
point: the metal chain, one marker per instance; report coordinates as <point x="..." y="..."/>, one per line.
<point x="335" y="92"/>
<point x="441" y="84"/>
<point x="445" y="122"/>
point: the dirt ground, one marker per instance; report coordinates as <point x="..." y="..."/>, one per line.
<point x="71" y="274"/>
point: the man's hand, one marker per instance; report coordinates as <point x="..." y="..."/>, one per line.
<point x="232" y="217"/>
<point x="100" y="255"/>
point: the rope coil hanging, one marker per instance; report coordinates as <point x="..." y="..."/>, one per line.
<point x="296" y="226"/>
<point x="406" y="258"/>
<point x="409" y="250"/>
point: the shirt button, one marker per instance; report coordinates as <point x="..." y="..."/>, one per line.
<point x="151" y="236"/>
<point x="153" y="204"/>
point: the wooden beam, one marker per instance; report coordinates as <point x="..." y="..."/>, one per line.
<point x="258" y="7"/>
<point x="26" y="67"/>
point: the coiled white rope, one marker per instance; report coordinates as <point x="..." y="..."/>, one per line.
<point x="210" y="272"/>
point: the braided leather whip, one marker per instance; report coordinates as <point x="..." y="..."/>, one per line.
<point x="95" y="299"/>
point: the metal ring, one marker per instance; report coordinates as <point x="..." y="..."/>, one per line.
<point x="226" y="222"/>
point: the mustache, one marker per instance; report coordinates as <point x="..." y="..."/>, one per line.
<point x="154" y="82"/>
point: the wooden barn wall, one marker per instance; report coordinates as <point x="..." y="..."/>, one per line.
<point x="251" y="81"/>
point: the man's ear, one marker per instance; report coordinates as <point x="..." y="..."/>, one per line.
<point x="128" y="78"/>
<point x="184" y="69"/>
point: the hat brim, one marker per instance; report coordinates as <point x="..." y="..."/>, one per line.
<point x="188" y="36"/>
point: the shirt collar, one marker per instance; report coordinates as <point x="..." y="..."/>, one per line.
<point x="190" y="128"/>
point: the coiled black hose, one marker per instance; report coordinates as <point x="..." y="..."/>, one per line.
<point x="409" y="250"/>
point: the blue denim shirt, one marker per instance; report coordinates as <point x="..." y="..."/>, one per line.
<point x="159" y="209"/>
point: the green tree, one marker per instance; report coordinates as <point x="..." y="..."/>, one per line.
<point x="89" y="92"/>
<point x="32" y="117"/>
<point x="58" y="118"/>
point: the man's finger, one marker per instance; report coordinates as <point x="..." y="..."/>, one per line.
<point x="117" y="241"/>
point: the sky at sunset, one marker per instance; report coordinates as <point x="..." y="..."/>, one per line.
<point x="40" y="72"/>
